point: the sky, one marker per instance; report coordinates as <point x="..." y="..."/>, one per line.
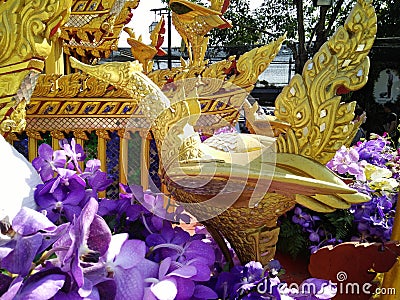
<point x="143" y="17"/>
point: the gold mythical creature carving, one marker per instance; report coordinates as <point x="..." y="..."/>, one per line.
<point x="93" y="29"/>
<point x="27" y="29"/>
<point x="237" y="184"/>
<point x="194" y="21"/>
<point x="145" y="53"/>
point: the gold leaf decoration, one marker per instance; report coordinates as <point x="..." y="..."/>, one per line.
<point x="320" y="124"/>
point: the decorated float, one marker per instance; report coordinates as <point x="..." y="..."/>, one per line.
<point x="123" y="156"/>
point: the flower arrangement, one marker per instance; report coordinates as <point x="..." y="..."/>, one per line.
<point x="78" y="246"/>
<point x="372" y="167"/>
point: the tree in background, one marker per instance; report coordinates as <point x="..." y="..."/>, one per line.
<point x="388" y="12"/>
<point x="307" y="25"/>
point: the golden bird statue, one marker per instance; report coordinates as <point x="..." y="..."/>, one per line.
<point x="145" y="53"/>
<point x="239" y="184"/>
<point x="194" y="21"/>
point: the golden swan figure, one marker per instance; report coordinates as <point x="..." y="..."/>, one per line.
<point x="237" y="184"/>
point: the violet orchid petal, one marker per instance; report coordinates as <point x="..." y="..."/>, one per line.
<point x="13" y="289"/>
<point x="43" y="288"/>
<point x="29" y="221"/>
<point x="85" y="220"/>
<point x="107" y="289"/>
<point x="148" y="268"/>
<point x="99" y="235"/>
<point x="116" y="243"/>
<point x="132" y="252"/>
<point x="5" y="282"/>
<point x="71" y="211"/>
<point x="200" y="250"/>
<point x="46" y="152"/>
<point x="204" y="292"/>
<point x="129" y="283"/>
<point x="50" y="237"/>
<point x="184" y="272"/>
<point x="155" y="239"/>
<point x="203" y="272"/>
<point x="137" y="192"/>
<point x="164" y="267"/>
<point x="19" y="261"/>
<point x="185" y="288"/>
<point x="92" y="165"/>
<point x="86" y="289"/>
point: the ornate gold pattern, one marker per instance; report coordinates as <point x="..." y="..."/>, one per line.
<point x="289" y="178"/>
<point x="81" y="135"/>
<point x="194" y="21"/>
<point x="94" y="26"/>
<point x="11" y="138"/>
<point x="101" y="133"/>
<point x="320" y="124"/>
<point x="57" y="134"/>
<point x="145" y="53"/>
<point x="115" y="96"/>
<point x="27" y="29"/>
<point x="33" y="134"/>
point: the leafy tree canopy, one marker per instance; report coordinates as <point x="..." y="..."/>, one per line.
<point x="307" y="26"/>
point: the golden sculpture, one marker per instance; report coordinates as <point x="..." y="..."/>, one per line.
<point x="320" y="124"/>
<point x="145" y="53"/>
<point x="237" y="184"/>
<point x="28" y="29"/>
<point x="93" y="29"/>
<point x="194" y="21"/>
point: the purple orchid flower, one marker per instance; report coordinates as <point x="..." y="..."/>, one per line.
<point x="301" y="217"/>
<point x="126" y="264"/>
<point x="87" y="240"/>
<point x="346" y="161"/>
<point x="176" y="284"/>
<point x="48" y="161"/>
<point x="42" y="285"/>
<point x="61" y="197"/>
<point x="33" y="233"/>
<point x="92" y="165"/>
<point x="74" y="151"/>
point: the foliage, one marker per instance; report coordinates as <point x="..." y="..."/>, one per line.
<point x="307" y="26"/>
<point x="247" y="27"/>
<point x="291" y="238"/>
<point x="388" y="12"/>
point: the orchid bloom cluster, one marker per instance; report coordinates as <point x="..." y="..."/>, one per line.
<point x="254" y="282"/>
<point x="373" y="168"/>
<point x="378" y="176"/>
<point x="78" y="246"/>
<point x="312" y="225"/>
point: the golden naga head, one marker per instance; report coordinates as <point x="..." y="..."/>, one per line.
<point x="27" y="30"/>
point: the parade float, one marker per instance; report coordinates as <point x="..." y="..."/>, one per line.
<point x="126" y="154"/>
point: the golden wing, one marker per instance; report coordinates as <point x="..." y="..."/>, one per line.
<point x="320" y="124"/>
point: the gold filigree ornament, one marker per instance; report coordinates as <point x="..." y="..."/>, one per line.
<point x="145" y="53"/>
<point x="27" y="29"/>
<point x="93" y="30"/>
<point x="239" y="184"/>
<point x="319" y="123"/>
